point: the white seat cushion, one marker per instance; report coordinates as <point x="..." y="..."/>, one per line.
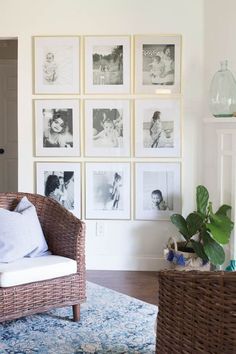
<point x="28" y="270"/>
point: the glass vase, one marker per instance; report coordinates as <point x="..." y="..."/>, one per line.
<point x="223" y="92"/>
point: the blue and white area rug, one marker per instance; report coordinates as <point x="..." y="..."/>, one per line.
<point x="110" y="323"/>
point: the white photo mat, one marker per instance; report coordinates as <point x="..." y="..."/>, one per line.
<point x="107" y="64"/>
<point x="108" y="190"/>
<point x="107" y="128"/>
<point x="157" y="64"/>
<point x="157" y="190"/>
<point x="157" y="128"/>
<point x="65" y="142"/>
<point x="56" y="65"/>
<point x="62" y="182"/>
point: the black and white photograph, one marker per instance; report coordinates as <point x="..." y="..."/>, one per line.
<point x="56" y="65"/>
<point x="107" y="191"/>
<point x="157" y="128"/>
<point x="61" y="182"/>
<point x="107" y="68"/>
<point x="107" y="128"/>
<point x="57" y="126"/>
<point x="157" y="64"/>
<point x="108" y="65"/>
<point x="157" y="190"/>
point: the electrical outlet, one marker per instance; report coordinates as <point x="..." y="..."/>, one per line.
<point x="99" y="229"/>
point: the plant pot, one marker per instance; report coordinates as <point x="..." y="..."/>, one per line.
<point x="182" y="258"/>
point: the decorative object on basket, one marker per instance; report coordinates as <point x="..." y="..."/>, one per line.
<point x="183" y="258"/>
<point x="205" y="231"/>
<point x="223" y="92"/>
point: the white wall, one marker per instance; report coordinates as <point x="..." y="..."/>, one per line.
<point x="219" y="45"/>
<point x="219" y="39"/>
<point x="126" y="244"/>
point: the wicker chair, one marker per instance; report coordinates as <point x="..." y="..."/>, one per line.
<point x="65" y="235"/>
<point x="197" y="312"/>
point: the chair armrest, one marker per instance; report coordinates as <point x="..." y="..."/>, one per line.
<point x="64" y="232"/>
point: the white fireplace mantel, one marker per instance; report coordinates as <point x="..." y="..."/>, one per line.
<point x="219" y="166"/>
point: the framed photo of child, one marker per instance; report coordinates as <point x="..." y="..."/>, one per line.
<point x="107" y="190"/>
<point x="107" y="128"/>
<point x="107" y="64"/>
<point x="62" y="182"/>
<point x="57" y="127"/>
<point x="56" y="65"/>
<point x="157" y="190"/>
<point x="157" y="128"/>
<point x="158" y="64"/>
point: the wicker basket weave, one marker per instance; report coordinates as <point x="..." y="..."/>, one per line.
<point x="65" y="235"/>
<point x="197" y="312"/>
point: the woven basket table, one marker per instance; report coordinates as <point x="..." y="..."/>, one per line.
<point x="197" y="312"/>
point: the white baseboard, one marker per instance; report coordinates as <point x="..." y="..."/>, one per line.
<point x="104" y="262"/>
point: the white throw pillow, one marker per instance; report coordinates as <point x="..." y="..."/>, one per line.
<point x="21" y="234"/>
<point x="28" y="210"/>
<point x="16" y="240"/>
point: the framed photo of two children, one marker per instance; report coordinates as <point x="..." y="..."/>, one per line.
<point x="157" y="64"/>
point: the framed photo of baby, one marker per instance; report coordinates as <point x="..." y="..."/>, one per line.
<point x="107" y="64"/>
<point x="157" y="190"/>
<point x="157" y="128"/>
<point x="61" y="182"/>
<point x="57" y="127"/>
<point x="107" y="190"/>
<point x="107" y="128"/>
<point x="56" y="65"/>
<point x="158" y="64"/>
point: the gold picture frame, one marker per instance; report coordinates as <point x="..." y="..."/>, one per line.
<point x="158" y="64"/>
<point x="56" y="64"/>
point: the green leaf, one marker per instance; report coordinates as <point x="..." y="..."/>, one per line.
<point x="222" y="221"/>
<point x="199" y="250"/>
<point x="180" y="222"/>
<point x="194" y="223"/>
<point x="202" y="197"/>
<point x="219" y="235"/>
<point x="213" y="250"/>
<point x="220" y="227"/>
<point x="223" y="210"/>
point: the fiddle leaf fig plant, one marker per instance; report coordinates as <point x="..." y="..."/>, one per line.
<point x="205" y="231"/>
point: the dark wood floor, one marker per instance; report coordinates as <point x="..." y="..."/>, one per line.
<point x="141" y="285"/>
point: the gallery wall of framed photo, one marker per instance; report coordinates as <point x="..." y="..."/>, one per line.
<point x="107" y="121"/>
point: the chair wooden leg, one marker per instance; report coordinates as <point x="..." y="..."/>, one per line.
<point x="76" y="313"/>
